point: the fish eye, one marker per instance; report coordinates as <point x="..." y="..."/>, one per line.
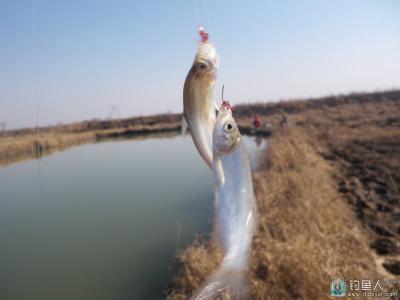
<point x="228" y="127"/>
<point x="203" y="66"/>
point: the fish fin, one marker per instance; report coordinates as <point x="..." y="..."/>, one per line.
<point x="226" y="281"/>
<point x="220" y="172"/>
<point x="184" y="126"/>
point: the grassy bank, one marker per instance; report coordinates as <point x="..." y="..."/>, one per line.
<point x="362" y="143"/>
<point x="328" y="195"/>
<point x="306" y="236"/>
<point x="16" y="145"/>
<point x="25" y="144"/>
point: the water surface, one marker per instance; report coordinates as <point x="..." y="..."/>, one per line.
<point x="104" y="220"/>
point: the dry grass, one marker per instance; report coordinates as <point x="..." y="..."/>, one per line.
<point x="362" y="143"/>
<point x="307" y="235"/>
<point x="328" y="195"/>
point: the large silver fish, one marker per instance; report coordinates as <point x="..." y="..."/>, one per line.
<point x="198" y="97"/>
<point x="235" y="209"/>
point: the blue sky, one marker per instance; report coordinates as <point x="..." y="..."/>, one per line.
<point x="96" y="59"/>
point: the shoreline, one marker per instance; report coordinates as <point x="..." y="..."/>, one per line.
<point x="26" y="146"/>
<point x="18" y="144"/>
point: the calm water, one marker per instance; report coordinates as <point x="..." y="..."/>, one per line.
<point x="107" y="222"/>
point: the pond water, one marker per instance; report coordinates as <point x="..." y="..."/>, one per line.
<point x="104" y="221"/>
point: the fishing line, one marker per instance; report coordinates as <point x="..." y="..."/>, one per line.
<point x="35" y="82"/>
<point x="196" y="13"/>
<point x="201" y="14"/>
<point x="206" y="14"/>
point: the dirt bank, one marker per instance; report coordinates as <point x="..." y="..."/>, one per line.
<point x="362" y="143"/>
<point x="328" y="194"/>
<point x="307" y="235"/>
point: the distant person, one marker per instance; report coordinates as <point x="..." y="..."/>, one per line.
<point x="257" y="122"/>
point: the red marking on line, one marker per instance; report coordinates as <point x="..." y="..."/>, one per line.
<point x="227" y="105"/>
<point x="204" y="35"/>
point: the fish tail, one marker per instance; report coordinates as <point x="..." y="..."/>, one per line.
<point x="228" y="282"/>
<point x="202" y="145"/>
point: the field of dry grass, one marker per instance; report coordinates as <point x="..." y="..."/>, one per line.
<point x="362" y="142"/>
<point x="328" y="195"/>
<point x="307" y="235"/>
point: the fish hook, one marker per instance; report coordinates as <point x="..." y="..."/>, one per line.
<point x="225" y="103"/>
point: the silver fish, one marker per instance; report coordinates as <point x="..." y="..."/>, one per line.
<point x="236" y="211"/>
<point x="198" y="97"/>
